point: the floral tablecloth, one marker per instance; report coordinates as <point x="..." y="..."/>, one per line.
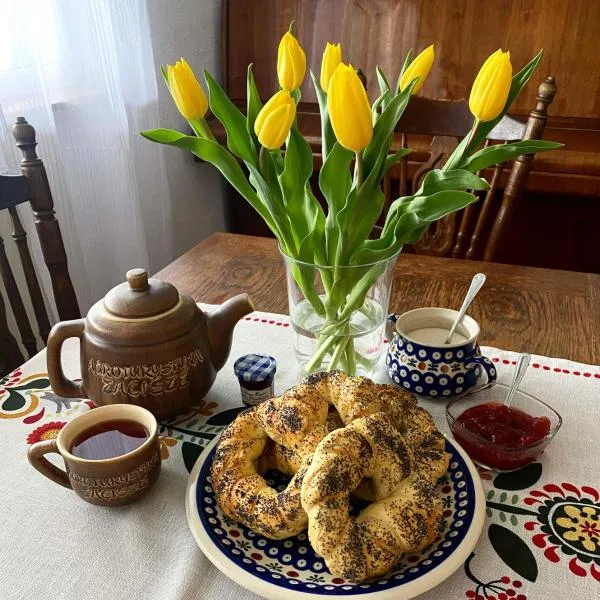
<point x="541" y="539"/>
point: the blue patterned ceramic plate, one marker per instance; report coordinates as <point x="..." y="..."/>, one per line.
<point x="290" y="568"/>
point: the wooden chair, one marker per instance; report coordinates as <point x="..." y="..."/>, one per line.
<point x="476" y="232"/>
<point x="31" y="186"/>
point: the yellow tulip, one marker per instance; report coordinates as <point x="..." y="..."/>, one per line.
<point x="291" y="63"/>
<point x="418" y="68"/>
<point x="186" y="91"/>
<point x="274" y="121"/>
<point x="332" y="57"/>
<point x="492" y="85"/>
<point x="349" y="109"/>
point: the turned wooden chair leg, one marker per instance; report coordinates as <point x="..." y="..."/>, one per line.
<point x="518" y="175"/>
<point x="46" y="224"/>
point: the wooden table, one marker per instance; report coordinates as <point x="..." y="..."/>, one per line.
<point x="547" y="312"/>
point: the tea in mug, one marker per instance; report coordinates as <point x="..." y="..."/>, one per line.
<point x="109" y="439"/>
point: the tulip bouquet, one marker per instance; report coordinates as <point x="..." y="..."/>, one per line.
<point x="334" y="263"/>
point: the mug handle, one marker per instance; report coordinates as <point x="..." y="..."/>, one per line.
<point x="390" y="326"/>
<point x="44" y="466"/>
<point x="484" y="362"/>
<point x="59" y="383"/>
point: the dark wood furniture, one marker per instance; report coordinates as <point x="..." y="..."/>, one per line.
<point x="31" y="186"/>
<point x="548" y="312"/>
<point x="555" y="219"/>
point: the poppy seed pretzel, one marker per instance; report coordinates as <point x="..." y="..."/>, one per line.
<point x="298" y="420"/>
<point x="288" y="421"/>
<point x="406" y="515"/>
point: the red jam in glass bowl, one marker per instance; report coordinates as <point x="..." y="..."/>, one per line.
<point x="500" y="437"/>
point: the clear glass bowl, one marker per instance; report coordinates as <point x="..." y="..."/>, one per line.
<point x="486" y="453"/>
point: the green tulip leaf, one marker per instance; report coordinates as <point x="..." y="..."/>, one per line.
<point x="274" y="205"/>
<point x="379" y="105"/>
<point x="384" y="87"/>
<point x="335" y="183"/>
<point x="410" y="218"/>
<point x="361" y="211"/>
<point x="392" y="159"/>
<point x="438" y="180"/>
<point x="327" y="136"/>
<point x="165" y="75"/>
<point x="239" y="141"/>
<point x="218" y="156"/>
<point x="298" y="168"/>
<point x="384" y="129"/>
<point x="253" y="104"/>
<point x="407" y="61"/>
<point x="493" y="155"/>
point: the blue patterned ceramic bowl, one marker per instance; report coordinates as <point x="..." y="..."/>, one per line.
<point x="435" y="370"/>
<point x="290" y="569"/>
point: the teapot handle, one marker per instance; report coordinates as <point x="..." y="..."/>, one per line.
<point x="59" y="383"/>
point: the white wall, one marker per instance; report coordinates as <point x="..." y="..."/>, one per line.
<point x="188" y="28"/>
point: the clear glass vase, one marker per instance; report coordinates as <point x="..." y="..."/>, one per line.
<point x="338" y="314"/>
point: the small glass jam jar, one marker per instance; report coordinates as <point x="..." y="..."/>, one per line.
<point x="256" y="374"/>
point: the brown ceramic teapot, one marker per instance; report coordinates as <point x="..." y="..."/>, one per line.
<point x="146" y="344"/>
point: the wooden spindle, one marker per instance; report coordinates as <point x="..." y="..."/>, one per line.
<point x="35" y="293"/>
<point x="468" y="222"/>
<point x="16" y="303"/>
<point x="10" y="356"/>
<point x="518" y="175"/>
<point x="46" y="224"/>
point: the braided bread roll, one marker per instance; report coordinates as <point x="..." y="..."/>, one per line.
<point x="405" y="517"/>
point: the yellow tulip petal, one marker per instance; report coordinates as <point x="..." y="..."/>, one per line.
<point x="418" y="69"/>
<point x="275" y="119"/>
<point x="186" y="91"/>
<point x="571" y="536"/>
<point x="349" y="109"/>
<point x="588" y="544"/>
<point x="332" y="57"/>
<point x="491" y="87"/>
<point x="291" y="63"/>
<point x="276" y="127"/>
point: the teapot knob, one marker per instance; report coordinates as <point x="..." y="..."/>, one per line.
<point x="137" y="280"/>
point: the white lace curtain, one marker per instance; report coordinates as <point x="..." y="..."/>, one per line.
<point x="82" y="73"/>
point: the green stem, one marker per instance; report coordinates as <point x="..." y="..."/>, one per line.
<point x="454" y="157"/>
<point x="321" y="351"/>
<point x="339" y="351"/>
<point x="359" y="169"/>
<point x="351" y="356"/>
<point x="201" y="129"/>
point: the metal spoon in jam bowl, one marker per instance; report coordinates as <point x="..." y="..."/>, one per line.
<point x="522" y="364"/>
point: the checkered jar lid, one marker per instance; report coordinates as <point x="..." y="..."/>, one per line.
<point x="255" y="367"/>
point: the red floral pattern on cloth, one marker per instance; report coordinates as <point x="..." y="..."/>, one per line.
<point x="47" y="431"/>
<point x="567" y="526"/>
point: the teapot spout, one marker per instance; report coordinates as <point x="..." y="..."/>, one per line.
<point x="220" y="326"/>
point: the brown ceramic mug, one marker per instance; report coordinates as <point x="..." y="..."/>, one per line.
<point x="104" y="482"/>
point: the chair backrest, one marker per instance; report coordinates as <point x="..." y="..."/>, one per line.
<point x="475" y="232"/>
<point x="31" y="186"/>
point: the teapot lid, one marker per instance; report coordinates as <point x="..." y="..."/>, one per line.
<point x="140" y="297"/>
